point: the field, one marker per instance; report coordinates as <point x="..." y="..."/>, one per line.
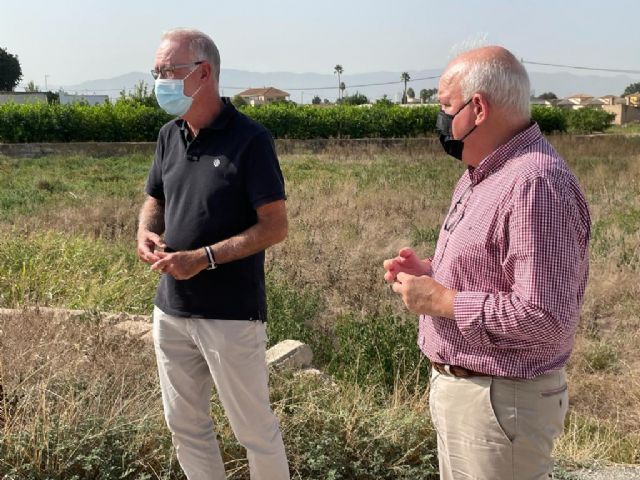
<point x="81" y="401"/>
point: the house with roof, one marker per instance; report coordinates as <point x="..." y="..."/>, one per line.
<point x="633" y="99"/>
<point x="262" y="96"/>
<point x="544" y="102"/>
<point x="579" y="100"/>
<point x="612" y="100"/>
<point x="622" y="107"/>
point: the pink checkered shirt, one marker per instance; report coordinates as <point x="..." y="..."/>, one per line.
<point x="515" y="247"/>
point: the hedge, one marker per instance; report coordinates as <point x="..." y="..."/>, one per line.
<point x="130" y="122"/>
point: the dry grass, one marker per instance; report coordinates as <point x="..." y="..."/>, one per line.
<point x="349" y="210"/>
<point x="82" y="401"/>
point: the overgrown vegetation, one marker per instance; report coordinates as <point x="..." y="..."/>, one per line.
<point x="137" y="118"/>
<point x="81" y="401"/>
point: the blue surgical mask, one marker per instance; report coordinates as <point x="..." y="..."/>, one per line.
<point x="171" y="97"/>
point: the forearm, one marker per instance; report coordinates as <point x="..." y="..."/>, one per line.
<point x="151" y="216"/>
<point x="249" y="242"/>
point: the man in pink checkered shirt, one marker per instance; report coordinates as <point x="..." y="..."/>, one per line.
<point x="500" y="300"/>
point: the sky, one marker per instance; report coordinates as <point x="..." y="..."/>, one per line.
<point x="71" y="41"/>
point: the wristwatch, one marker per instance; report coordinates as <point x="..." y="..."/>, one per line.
<point x="211" y="258"/>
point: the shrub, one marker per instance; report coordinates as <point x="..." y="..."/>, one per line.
<point x="128" y="120"/>
<point x="124" y="122"/>
<point x="550" y="120"/>
<point x="588" y="120"/>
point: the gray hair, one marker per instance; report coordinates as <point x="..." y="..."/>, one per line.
<point x="201" y="46"/>
<point x="501" y="78"/>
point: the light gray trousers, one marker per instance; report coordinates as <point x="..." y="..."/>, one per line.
<point x="194" y="354"/>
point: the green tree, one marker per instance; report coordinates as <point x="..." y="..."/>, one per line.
<point x="337" y="70"/>
<point x="411" y="93"/>
<point x="53" y="98"/>
<point x="141" y="94"/>
<point x="427" y="94"/>
<point x="548" y="96"/>
<point x="10" y="71"/>
<point x="342" y="89"/>
<point x="588" y="120"/>
<point x="32" y="87"/>
<point x="357" y="99"/>
<point x="633" y="88"/>
<point x="238" y="101"/>
<point x="405" y="77"/>
<point x="316" y="100"/>
<point x="384" y="101"/>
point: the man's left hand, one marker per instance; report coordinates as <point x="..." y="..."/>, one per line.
<point x="424" y="296"/>
<point x="181" y="265"/>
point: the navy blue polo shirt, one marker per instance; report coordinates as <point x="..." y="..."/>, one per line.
<point x="211" y="187"/>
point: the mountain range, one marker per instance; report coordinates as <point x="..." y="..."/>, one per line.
<point x="303" y="86"/>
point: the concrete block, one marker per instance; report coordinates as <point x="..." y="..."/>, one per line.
<point x="136" y="329"/>
<point x="290" y="354"/>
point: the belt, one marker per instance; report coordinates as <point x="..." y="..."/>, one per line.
<point x="457" y="371"/>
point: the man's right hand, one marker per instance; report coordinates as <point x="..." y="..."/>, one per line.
<point x="407" y="262"/>
<point x="148" y="242"/>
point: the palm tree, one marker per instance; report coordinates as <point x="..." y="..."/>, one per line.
<point x="427" y="94"/>
<point x="338" y="70"/>
<point x="410" y="93"/>
<point x="342" y="87"/>
<point x="405" y="77"/>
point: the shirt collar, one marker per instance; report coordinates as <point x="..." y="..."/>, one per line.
<point x="221" y="121"/>
<point x="504" y="152"/>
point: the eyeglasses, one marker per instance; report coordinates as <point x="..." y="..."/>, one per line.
<point x="162" y="72"/>
<point x="457" y="212"/>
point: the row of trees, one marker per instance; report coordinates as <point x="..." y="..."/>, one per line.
<point x="426" y="94"/>
<point x="131" y="120"/>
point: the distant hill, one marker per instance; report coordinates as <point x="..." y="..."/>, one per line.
<point x="233" y="81"/>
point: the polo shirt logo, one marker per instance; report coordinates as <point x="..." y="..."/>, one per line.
<point x="216" y="162"/>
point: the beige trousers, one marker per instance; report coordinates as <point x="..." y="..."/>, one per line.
<point x="194" y="354"/>
<point x="495" y="428"/>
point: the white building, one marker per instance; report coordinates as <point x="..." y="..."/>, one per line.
<point x="67" y="98"/>
<point x="23" y="97"/>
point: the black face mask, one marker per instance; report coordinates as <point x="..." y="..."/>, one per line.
<point x="443" y="126"/>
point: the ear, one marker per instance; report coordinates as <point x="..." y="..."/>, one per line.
<point x="480" y="108"/>
<point x="207" y="71"/>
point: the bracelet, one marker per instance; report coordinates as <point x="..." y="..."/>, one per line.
<point x="210" y="257"/>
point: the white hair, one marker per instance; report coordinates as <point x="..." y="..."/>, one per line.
<point x="501" y="78"/>
<point x="201" y="46"/>
<point x="468" y="44"/>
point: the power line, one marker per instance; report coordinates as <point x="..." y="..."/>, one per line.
<point x="612" y="70"/>
<point x="232" y="87"/>
<point x="396" y="82"/>
<point x="333" y="87"/>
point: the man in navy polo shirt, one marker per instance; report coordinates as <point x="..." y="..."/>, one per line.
<point x="216" y="193"/>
